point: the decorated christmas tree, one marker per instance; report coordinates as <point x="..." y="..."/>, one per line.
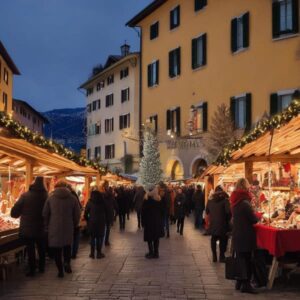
<point x="150" y="166"/>
<point x="221" y="131"/>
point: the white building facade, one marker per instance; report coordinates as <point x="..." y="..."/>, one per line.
<point x="113" y="112"/>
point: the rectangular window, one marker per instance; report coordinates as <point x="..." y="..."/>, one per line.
<point x="174" y="63"/>
<point x="280" y="101"/>
<point x="98" y="104"/>
<point x="241" y="111"/>
<point x="175" y="17"/>
<point x="88" y="154"/>
<point x="240" y="32"/>
<point x="100" y="85"/>
<point x="199" y="117"/>
<point x="110" y="79"/>
<point x="109" y="100"/>
<point x="89" y="108"/>
<point x="94" y="105"/>
<point x="89" y="91"/>
<point x="5" y="76"/>
<point x="5" y="102"/>
<point x="173" y="121"/>
<point x="124" y="73"/>
<point x="199" y="51"/>
<point x="200" y="4"/>
<point x="109" y="125"/>
<point x="109" y="151"/>
<point x="285" y="17"/>
<point x="125" y="95"/>
<point x="153" y="72"/>
<point x="124" y="121"/>
<point x="154" y="28"/>
<point x="154" y="122"/>
<point x="97" y="152"/>
<point x="98" y="128"/>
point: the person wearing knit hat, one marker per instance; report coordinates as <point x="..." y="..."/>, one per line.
<point x="152" y="221"/>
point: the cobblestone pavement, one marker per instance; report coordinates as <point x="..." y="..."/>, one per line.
<point x="184" y="271"/>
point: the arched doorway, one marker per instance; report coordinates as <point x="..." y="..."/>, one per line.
<point x="199" y="167"/>
<point x="174" y="169"/>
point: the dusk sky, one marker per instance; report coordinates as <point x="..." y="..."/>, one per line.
<point x="56" y="43"/>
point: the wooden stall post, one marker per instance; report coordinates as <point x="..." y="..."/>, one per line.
<point x="29" y="174"/>
<point x="87" y="183"/>
<point x="249" y="171"/>
<point x="98" y="179"/>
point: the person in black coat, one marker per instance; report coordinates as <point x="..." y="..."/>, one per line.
<point x="199" y="205"/>
<point x="138" y="203"/>
<point x="95" y="215"/>
<point x="109" y="202"/>
<point x="180" y="210"/>
<point x="152" y="221"/>
<point x="243" y="233"/>
<point x="123" y="204"/>
<point x="30" y="208"/>
<point x="218" y="210"/>
<point x="166" y="202"/>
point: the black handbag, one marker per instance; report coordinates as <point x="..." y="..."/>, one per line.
<point x="235" y="268"/>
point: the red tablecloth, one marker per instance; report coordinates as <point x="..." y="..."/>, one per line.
<point x="277" y="241"/>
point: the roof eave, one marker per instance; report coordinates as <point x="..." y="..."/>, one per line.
<point x="145" y="13"/>
<point x="119" y="62"/>
<point x="8" y="60"/>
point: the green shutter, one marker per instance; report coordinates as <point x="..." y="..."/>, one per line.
<point x="234" y="35"/>
<point x="204" y="49"/>
<point x="205" y="116"/>
<point x="178" y="57"/>
<point x="194" y="54"/>
<point x="276" y="19"/>
<point x="156" y="123"/>
<point x="157" y="72"/>
<point x="149" y="75"/>
<point x="120" y="122"/>
<point x="232" y="109"/>
<point x="197" y="5"/>
<point x="171" y="20"/>
<point x="246" y="32"/>
<point x="178" y="121"/>
<point x="168" y="119"/>
<point x="248" y="111"/>
<point x="274" y="107"/>
<point x="171" y="64"/>
<point x="295" y="8"/>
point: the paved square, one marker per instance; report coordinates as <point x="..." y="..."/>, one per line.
<point x="184" y="271"/>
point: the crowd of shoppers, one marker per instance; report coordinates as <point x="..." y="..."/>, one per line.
<point x="50" y="223"/>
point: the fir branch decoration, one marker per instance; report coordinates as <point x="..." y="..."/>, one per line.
<point x="18" y="131"/>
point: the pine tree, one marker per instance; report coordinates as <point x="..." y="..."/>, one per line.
<point x="221" y="131"/>
<point x="150" y="165"/>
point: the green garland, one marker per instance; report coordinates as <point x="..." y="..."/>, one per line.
<point x="260" y="129"/>
<point x="21" y="132"/>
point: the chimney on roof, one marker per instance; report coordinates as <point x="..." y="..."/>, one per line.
<point x="125" y="49"/>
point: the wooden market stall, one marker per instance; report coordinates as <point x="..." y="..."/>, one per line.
<point x="269" y="157"/>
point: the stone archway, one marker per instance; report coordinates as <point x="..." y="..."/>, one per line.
<point x="198" y="166"/>
<point x="174" y="169"/>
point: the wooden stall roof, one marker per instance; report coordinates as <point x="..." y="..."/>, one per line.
<point x="16" y="152"/>
<point x="285" y="145"/>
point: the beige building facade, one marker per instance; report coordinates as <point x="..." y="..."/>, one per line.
<point x="113" y="112"/>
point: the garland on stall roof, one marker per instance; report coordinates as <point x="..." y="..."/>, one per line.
<point x="22" y="132"/>
<point x="260" y="129"/>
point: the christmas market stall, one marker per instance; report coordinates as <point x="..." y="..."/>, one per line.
<point x="269" y="157"/>
<point x="24" y="155"/>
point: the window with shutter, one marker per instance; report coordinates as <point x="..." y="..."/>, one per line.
<point x="241" y="111"/>
<point x="175" y="17"/>
<point x="200" y="4"/>
<point x="174" y="63"/>
<point x="240" y="32"/>
<point x="153" y="72"/>
<point x="285" y="17"/>
<point x="154" y="29"/>
<point x="199" y="51"/>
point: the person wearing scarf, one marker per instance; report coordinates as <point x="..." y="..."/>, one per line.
<point x="243" y="233"/>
